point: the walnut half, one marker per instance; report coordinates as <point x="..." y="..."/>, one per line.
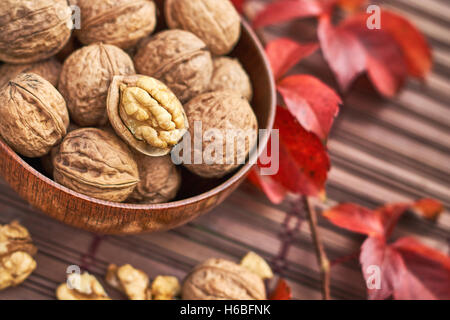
<point x="146" y="114"/>
<point x="16" y="251"/>
<point x="82" y="287"/>
<point x="133" y="282"/>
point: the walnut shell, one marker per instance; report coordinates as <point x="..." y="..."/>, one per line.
<point x="228" y="74"/>
<point x="85" y="79"/>
<point x="216" y="22"/>
<point x="228" y="114"/>
<point x="179" y="59"/>
<point x="159" y="180"/>
<point x="95" y="162"/>
<point x="48" y="69"/>
<point x="219" y="279"/>
<point x="33" y="115"/>
<point x="33" y="30"/>
<point x="119" y="22"/>
<point x="146" y="114"/>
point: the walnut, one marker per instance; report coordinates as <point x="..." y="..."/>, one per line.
<point x="133" y="282"/>
<point x="16" y="251"/>
<point x="85" y="78"/>
<point x="48" y="69"/>
<point x="96" y="163"/>
<point x="219" y="279"/>
<point x="216" y="22"/>
<point x="146" y="114"/>
<point x="33" y="30"/>
<point x="254" y="263"/>
<point x="165" y="288"/>
<point x="159" y="180"/>
<point x="229" y="74"/>
<point x="33" y="115"/>
<point x="232" y="122"/>
<point x="179" y="59"/>
<point x="119" y="22"/>
<point x="82" y="287"/>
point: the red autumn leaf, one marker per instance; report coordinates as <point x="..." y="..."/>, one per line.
<point x="343" y="52"/>
<point x="238" y="4"/>
<point x="355" y="218"/>
<point x="285" y="10"/>
<point x="311" y="101"/>
<point x="428" y="208"/>
<point x="272" y="189"/>
<point x="303" y="160"/>
<point x="284" y="53"/>
<point x="414" y="47"/>
<point x="282" y="291"/>
<point x="409" y="270"/>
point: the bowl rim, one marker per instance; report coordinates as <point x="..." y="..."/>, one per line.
<point x="191" y="200"/>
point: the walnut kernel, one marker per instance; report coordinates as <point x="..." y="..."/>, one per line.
<point x="133" y="282"/>
<point x="165" y="288"/>
<point x="33" y="115"/>
<point x="257" y="265"/>
<point x="146" y="114"/>
<point x="96" y="163"/>
<point x="82" y="287"/>
<point x="216" y="22"/>
<point x="179" y="59"/>
<point x="16" y="251"/>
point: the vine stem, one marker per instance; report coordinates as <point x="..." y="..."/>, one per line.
<point x="322" y="259"/>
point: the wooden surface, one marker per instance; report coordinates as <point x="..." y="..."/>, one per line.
<point x="382" y="151"/>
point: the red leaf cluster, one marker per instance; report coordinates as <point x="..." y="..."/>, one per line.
<point x="388" y="55"/>
<point x="409" y="270"/>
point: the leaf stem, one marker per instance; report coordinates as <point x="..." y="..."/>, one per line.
<point x="322" y="260"/>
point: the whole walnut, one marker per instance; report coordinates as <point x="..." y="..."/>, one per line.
<point x="33" y="115"/>
<point x="159" y="180"/>
<point x="48" y="69"/>
<point x="219" y="279"/>
<point x="216" y="22"/>
<point x="96" y="163"/>
<point x="229" y="74"/>
<point x="33" y="30"/>
<point x="85" y="79"/>
<point x="146" y="114"/>
<point x="119" y="22"/>
<point x="228" y="129"/>
<point x="179" y="59"/>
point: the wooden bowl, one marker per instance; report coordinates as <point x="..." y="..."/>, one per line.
<point x="196" y="197"/>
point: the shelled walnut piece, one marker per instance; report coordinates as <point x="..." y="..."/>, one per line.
<point x="165" y="288"/>
<point x="133" y="282"/>
<point x="216" y="22"/>
<point x="257" y="265"/>
<point x="146" y="114"/>
<point x="82" y="287"/>
<point x="16" y="255"/>
<point x="219" y="279"/>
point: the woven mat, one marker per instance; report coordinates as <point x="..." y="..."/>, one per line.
<point x="382" y="151"/>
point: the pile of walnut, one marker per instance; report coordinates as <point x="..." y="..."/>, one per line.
<point x="214" y="279"/>
<point x="16" y="255"/>
<point x="105" y="120"/>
